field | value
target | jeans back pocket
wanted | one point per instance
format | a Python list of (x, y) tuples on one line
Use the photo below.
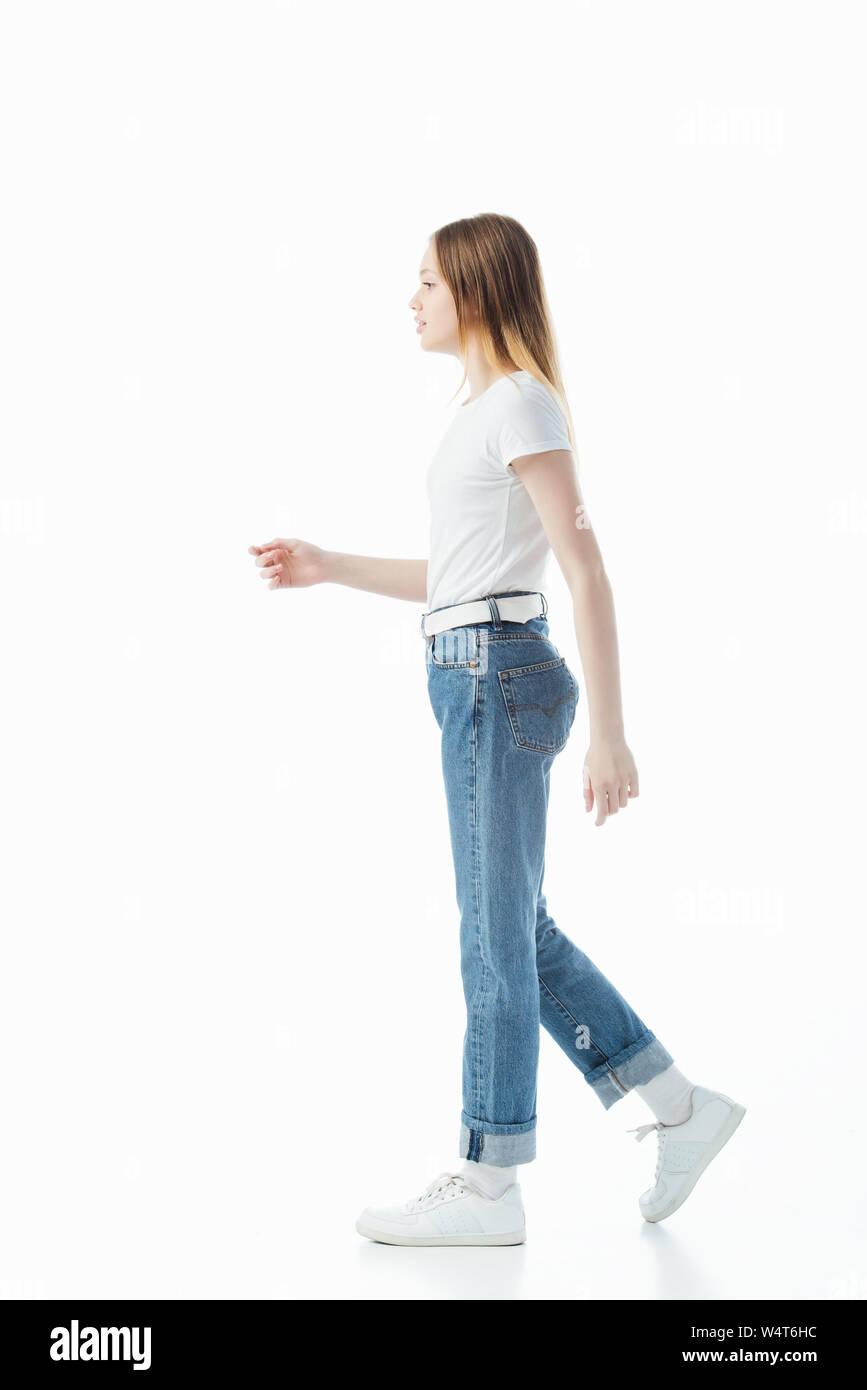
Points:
[(540, 702)]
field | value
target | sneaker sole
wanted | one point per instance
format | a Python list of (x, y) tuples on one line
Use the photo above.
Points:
[(470, 1238), (725, 1134)]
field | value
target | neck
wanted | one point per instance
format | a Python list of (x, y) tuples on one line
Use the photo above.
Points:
[(480, 373)]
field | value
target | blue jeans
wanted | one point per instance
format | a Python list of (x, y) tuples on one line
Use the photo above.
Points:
[(505, 702)]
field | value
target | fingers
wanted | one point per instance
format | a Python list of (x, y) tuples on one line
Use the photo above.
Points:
[(270, 560), (588, 789), (613, 792), (615, 796), (278, 543), (610, 798)]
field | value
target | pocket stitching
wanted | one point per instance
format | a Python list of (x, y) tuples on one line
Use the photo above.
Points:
[(451, 665), (537, 666), (511, 707)]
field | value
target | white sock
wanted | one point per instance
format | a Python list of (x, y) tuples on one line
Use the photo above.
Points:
[(668, 1095), (490, 1180)]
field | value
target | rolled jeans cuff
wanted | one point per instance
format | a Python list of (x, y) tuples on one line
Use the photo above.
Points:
[(510, 1144), (634, 1066)]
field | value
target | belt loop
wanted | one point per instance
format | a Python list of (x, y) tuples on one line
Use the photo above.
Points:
[(495, 612), (544, 606)]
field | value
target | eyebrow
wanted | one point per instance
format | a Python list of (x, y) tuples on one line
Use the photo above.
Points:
[(426, 270)]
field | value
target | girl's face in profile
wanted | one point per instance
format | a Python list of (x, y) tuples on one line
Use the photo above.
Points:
[(434, 306)]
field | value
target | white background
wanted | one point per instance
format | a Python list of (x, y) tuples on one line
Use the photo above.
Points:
[(231, 1005)]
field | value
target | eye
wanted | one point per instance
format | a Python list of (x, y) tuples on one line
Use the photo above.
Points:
[(427, 284)]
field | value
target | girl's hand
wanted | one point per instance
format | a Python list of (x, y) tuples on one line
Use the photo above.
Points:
[(291, 564), (610, 775)]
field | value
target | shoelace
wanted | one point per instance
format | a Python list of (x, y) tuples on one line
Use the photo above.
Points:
[(641, 1132), (441, 1185)]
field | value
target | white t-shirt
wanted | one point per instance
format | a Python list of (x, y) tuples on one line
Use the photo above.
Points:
[(485, 532)]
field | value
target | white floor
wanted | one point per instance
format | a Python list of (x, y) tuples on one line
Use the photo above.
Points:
[(777, 1215)]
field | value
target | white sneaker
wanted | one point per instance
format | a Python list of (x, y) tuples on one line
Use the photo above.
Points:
[(448, 1212), (686, 1149)]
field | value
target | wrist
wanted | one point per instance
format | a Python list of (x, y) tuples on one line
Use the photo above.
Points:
[(607, 732), (331, 566)]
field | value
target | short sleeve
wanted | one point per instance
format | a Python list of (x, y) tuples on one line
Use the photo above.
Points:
[(533, 423)]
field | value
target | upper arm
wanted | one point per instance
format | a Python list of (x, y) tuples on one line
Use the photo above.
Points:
[(534, 444), (551, 479)]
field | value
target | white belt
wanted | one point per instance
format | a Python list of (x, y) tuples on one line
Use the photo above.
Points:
[(512, 608)]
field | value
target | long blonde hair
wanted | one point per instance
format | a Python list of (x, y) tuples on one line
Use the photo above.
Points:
[(491, 266)]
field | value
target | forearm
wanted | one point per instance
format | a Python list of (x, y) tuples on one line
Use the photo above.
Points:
[(406, 579), (596, 631)]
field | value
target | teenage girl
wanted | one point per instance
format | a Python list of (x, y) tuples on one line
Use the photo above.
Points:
[(503, 493)]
